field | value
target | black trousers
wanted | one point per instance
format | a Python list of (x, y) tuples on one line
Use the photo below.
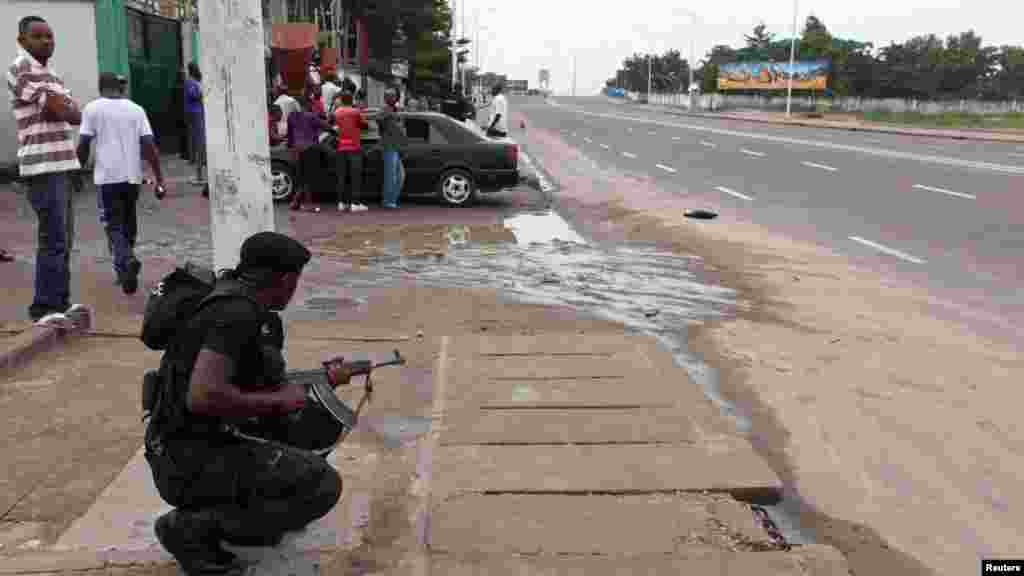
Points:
[(312, 167), (350, 175), (256, 490)]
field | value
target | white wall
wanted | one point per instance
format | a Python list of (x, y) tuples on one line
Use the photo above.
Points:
[(74, 58)]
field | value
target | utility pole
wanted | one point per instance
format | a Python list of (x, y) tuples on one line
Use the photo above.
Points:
[(792, 60), (454, 45), (235, 102), (693, 62), (574, 75), (650, 67)]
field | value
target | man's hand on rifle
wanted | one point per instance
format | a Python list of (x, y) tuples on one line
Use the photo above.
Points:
[(340, 373)]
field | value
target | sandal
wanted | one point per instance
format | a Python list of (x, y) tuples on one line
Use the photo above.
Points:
[(6, 256)]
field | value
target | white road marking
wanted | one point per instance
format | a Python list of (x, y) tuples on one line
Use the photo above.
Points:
[(652, 133), (666, 168), (822, 166), (751, 152), (678, 138), (887, 250), (587, 140), (873, 140), (707, 144), (944, 191), (605, 146), (629, 155), (1017, 154), (725, 190), (573, 134), (942, 160)]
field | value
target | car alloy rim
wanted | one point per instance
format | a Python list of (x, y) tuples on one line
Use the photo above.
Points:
[(456, 188), (281, 184)]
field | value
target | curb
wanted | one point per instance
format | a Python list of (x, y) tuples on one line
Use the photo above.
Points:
[(42, 337), (1001, 137), (49, 562)]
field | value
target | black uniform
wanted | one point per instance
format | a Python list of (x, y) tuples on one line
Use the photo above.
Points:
[(225, 487)]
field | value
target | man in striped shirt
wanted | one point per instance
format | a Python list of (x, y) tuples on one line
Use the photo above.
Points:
[(44, 113)]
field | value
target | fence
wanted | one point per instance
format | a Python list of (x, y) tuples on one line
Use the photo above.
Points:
[(720, 101)]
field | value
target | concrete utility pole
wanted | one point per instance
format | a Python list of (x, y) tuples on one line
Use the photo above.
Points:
[(235, 102), (574, 75)]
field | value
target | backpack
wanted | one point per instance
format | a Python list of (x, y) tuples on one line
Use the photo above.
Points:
[(170, 307)]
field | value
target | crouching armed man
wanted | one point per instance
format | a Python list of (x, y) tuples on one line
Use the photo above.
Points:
[(226, 486)]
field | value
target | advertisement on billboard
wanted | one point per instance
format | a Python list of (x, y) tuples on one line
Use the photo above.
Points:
[(808, 75)]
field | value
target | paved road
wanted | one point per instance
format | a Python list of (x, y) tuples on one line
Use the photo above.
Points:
[(946, 214)]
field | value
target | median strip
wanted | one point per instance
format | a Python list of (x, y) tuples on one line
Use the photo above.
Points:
[(887, 250), (666, 168), (751, 152), (822, 166), (629, 155), (944, 191), (730, 192)]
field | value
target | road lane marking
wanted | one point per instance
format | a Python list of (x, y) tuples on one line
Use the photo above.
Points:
[(678, 138), (880, 152), (573, 134), (873, 140), (822, 166), (629, 155), (944, 191), (588, 140), (725, 190), (1017, 154), (707, 144), (887, 250), (605, 146), (751, 152), (652, 133), (666, 168)]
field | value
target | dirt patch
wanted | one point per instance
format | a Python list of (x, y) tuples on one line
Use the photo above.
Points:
[(364, 243)]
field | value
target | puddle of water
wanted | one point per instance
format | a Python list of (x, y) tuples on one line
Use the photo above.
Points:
[(546, 227)]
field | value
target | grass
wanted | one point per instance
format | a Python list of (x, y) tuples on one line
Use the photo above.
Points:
[(1012, 120)]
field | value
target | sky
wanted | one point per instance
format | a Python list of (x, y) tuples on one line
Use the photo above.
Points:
[(520, 37)]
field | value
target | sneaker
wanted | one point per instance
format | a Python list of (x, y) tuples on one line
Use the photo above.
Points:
[(360, 207), (57, 319), (342, 207), (193, 539)]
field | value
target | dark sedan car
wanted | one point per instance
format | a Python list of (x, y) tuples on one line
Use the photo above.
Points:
[(443, 158)]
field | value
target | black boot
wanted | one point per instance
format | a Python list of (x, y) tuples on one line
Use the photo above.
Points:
[(193, 538)]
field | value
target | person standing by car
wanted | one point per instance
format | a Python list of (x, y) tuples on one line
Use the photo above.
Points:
[(391, 138), (498, 127), (304, 129), (288, 106), (329, 90), (45, 113), (349, 159), (123, 137), (274, 135)]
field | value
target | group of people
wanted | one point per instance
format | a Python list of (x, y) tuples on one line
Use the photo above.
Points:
[(332, 107), (112, 127)]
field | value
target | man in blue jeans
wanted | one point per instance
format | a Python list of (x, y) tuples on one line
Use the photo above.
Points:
[(44, 114), (123, 137)]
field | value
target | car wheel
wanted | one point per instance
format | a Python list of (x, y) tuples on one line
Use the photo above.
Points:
[(456, 188), (282, 181)]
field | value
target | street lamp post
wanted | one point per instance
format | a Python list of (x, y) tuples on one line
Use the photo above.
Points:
[(650, 67), (792, 61)]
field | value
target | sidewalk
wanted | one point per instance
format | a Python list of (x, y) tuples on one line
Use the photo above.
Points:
[(518, 439), (771, 117)]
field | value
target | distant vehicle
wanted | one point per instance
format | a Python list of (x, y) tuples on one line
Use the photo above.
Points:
[(615, 92), (443, 158)]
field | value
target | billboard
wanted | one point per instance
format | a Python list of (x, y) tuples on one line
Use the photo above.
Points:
[(808, 75)]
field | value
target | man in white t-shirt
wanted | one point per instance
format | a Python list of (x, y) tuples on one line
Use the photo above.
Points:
[(288, 106), (498, 127), (123, 136)]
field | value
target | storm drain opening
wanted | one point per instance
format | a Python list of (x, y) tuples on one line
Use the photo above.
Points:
[(700, 214)]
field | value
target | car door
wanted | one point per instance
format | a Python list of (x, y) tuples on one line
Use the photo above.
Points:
[(423, 154)]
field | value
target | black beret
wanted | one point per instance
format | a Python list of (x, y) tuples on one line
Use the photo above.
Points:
[(273, 251)]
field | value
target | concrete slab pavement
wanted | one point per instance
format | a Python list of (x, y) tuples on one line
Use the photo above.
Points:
[(572, 498)]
